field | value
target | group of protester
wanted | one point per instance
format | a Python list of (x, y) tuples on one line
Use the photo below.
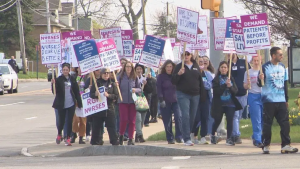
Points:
[(191, 94)]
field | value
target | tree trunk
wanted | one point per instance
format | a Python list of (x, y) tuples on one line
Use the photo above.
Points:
[(135, 30)]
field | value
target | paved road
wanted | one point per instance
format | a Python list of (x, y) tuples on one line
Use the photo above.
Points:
[(26, 117), (276, 161)]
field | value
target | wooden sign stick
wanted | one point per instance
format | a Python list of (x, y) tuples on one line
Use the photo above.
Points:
[(260, 67), (91, 78), (247, 69), (183, 55), (53, 85), (96, 86), (230, 61), (196, 56), (116, 80)]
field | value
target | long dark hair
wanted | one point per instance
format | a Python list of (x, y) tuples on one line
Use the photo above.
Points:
[(132, 73), (210, 66), (163, 67), (218, 73)]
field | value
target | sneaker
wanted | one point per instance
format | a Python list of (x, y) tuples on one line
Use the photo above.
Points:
[(215, 139), (230, 142), (68, 142), (171, 142), (259, 145), (159, 116), (146, 125), (87, 138), (266, 150), (194, 139), (58, 139), (188, 143), (288, 149), (203, 141), (178, 140), (222, 132), (237, 140)]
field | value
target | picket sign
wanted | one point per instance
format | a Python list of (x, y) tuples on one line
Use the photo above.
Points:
[(91, 106), (202, 35), (127, 37), (229, 42), (115, 33), (187, 26), (139, 45)]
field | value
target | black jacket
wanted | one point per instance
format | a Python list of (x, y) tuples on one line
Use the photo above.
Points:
[(111, 89), (59, 100), (190, 82), (218, 90)]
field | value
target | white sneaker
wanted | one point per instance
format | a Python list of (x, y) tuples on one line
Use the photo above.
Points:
[(266, 150), (203, 141), (188, 143), (195, 140), (288, 149), (87, 138)]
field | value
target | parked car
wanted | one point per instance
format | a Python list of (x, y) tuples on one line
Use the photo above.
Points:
[(50, 74), (1, 85), (10, 78)]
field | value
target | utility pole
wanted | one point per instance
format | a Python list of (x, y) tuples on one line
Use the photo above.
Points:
[(76, 15), (21, 34), (144, 18), (48, 16), (167, 21), (216, 56), (266, 51)]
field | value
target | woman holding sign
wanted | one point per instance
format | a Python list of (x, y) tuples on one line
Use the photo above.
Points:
[(224, 101), (189, 86), (254, 101), (107, 116), (66, 99), (129, 84)]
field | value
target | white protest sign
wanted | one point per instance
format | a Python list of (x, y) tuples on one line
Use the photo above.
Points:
[(66, 54), (229, 43), (91, 106), (87, 56), (108, 54), (256, 31), (50, 48), (117, 35), (219, 32), (73, 55), (176, 52), (202, 37), (187, 25), (152, 52), (127, 37), (139, 45)]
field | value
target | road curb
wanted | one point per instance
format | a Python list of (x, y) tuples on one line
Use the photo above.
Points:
[(25, 153)]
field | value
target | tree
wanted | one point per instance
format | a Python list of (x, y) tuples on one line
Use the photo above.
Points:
[(283, 16), (161, 25), (132, 17), (9, 29)]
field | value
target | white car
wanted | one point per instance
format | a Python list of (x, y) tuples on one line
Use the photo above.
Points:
[(10, 78)]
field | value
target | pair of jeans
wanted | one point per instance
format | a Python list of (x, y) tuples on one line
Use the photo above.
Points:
[(280, 112), (201, 118), (139, 122), (238, 115), (229, 112), (166, 113), (127, 117), (66, 117), (57, 122), (188, 105), (255, 110)]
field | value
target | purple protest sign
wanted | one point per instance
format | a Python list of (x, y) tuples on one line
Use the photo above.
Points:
[(127, 37), (256, 31), (73, 36), (139, 45), (238, 39), (87, 35)]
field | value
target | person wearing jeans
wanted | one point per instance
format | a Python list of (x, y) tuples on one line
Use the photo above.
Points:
[(224, 101), (66, 99), (166, 92), (275, 101), (129, 84), (189, 86)]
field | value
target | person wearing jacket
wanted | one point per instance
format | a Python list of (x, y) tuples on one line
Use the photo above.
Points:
[(107, 116), (166, 92), (189, 87), (203, 111), (224, 101), (129, 84), (238, 69), (67, 96), (147, 90), (254, 101)]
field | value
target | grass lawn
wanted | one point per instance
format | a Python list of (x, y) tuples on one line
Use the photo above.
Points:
[(32, 75), (246, 126)]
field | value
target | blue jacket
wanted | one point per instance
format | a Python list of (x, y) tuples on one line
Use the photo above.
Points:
[(207, 82), (126, 85)]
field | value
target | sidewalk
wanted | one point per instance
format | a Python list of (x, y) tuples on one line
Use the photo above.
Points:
[(158, 148)]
